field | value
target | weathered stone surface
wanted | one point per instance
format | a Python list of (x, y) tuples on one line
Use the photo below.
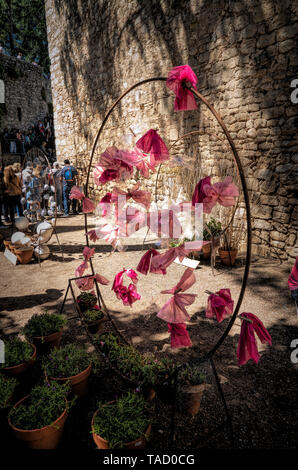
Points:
[(242, 54)]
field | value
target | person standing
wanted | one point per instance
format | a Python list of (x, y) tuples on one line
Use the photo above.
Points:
[(68, 179), (13, 191), (56, 171)]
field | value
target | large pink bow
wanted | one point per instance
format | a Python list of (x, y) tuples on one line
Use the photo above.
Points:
[(247, 346), (152, 143), (174, 310), (178, 77), (146, 162), (220, 305), (145, 263), (223, 192), (88, 205), (162, 261), (139, 196), (114, 165), (199, 193), (179, 335), (87, 283), (110, 233), (87, 254), (129, 294)]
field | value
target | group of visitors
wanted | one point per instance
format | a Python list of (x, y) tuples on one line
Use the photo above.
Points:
[(41, 134), (20, 56), (63, 178)]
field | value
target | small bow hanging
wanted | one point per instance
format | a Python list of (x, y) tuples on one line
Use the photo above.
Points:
[(247, 346), (151, 143), (223, 192), (88, 205), (220, 305), (178, 77), (145, 263), (87, 254), (174, 309), (139, 196), (129, 294), (87, 283)]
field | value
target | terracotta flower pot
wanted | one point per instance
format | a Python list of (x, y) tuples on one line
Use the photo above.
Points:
[(139, 443), (96, 326), (24, 254), (47, 437), (190, 398), (19, 368), (78, 383), (45, 344), (228, 257), (206, 251)]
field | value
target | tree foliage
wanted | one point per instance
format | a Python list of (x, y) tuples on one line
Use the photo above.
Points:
[(23, 28)]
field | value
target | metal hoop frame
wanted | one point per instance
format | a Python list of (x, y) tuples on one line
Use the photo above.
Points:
[(218, 118)]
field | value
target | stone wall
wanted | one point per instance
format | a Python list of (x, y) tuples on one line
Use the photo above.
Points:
[(243, 53), (23, 85)]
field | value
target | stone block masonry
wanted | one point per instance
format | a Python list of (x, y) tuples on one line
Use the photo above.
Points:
[(27, 93), (243, 53)]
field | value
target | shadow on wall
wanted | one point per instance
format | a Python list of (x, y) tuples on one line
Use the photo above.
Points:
[(104, 46)]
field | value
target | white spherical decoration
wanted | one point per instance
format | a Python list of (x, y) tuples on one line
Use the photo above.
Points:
[(53, 189), (51, 199), (42, 251), (45, 230), (50, 213), (21, 223), (46, 196), (17, 237), (46, 187), (43, 212)]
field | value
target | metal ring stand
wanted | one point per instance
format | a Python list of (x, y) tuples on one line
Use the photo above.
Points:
[(209, 355)]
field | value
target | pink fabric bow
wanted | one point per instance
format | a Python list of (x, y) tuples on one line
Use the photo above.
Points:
[(105, 204), (152, 143), (247, 346), (139, 196), (178, 77), (293, 277), (179, 335), (110, 233), (220, 305), (87, 254), (129, 294), (163, 261), (145, 263), (146, 162), (114, 165), (88, 205), (87, 283), (224, 193), (174, 310), (199, 193)]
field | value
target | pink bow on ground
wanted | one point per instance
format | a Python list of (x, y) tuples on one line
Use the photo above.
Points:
[(174, 310), (88, 205), (224, 193), (220, 305), (179, 335), (87, 283), (152, 143), (139, 196), (145, 263), (129, 294), (178, 77), (199, 193), (87, 254), (247, 346)]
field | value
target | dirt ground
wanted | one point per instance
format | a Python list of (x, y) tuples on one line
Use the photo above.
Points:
[(262, 398)]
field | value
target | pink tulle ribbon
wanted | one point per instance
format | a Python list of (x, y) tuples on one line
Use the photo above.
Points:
[(88, 205), (87, 283), (145, 263), (220, 305), (151, 143), (179, 335), (163, 261), (105, 204), (139, 196), (199, 193), (247, 346), (128, 294), (223, 192), (87, 254), (174, 309), (178, 77)]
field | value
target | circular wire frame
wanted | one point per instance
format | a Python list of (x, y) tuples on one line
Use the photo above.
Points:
[(243, 184)]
